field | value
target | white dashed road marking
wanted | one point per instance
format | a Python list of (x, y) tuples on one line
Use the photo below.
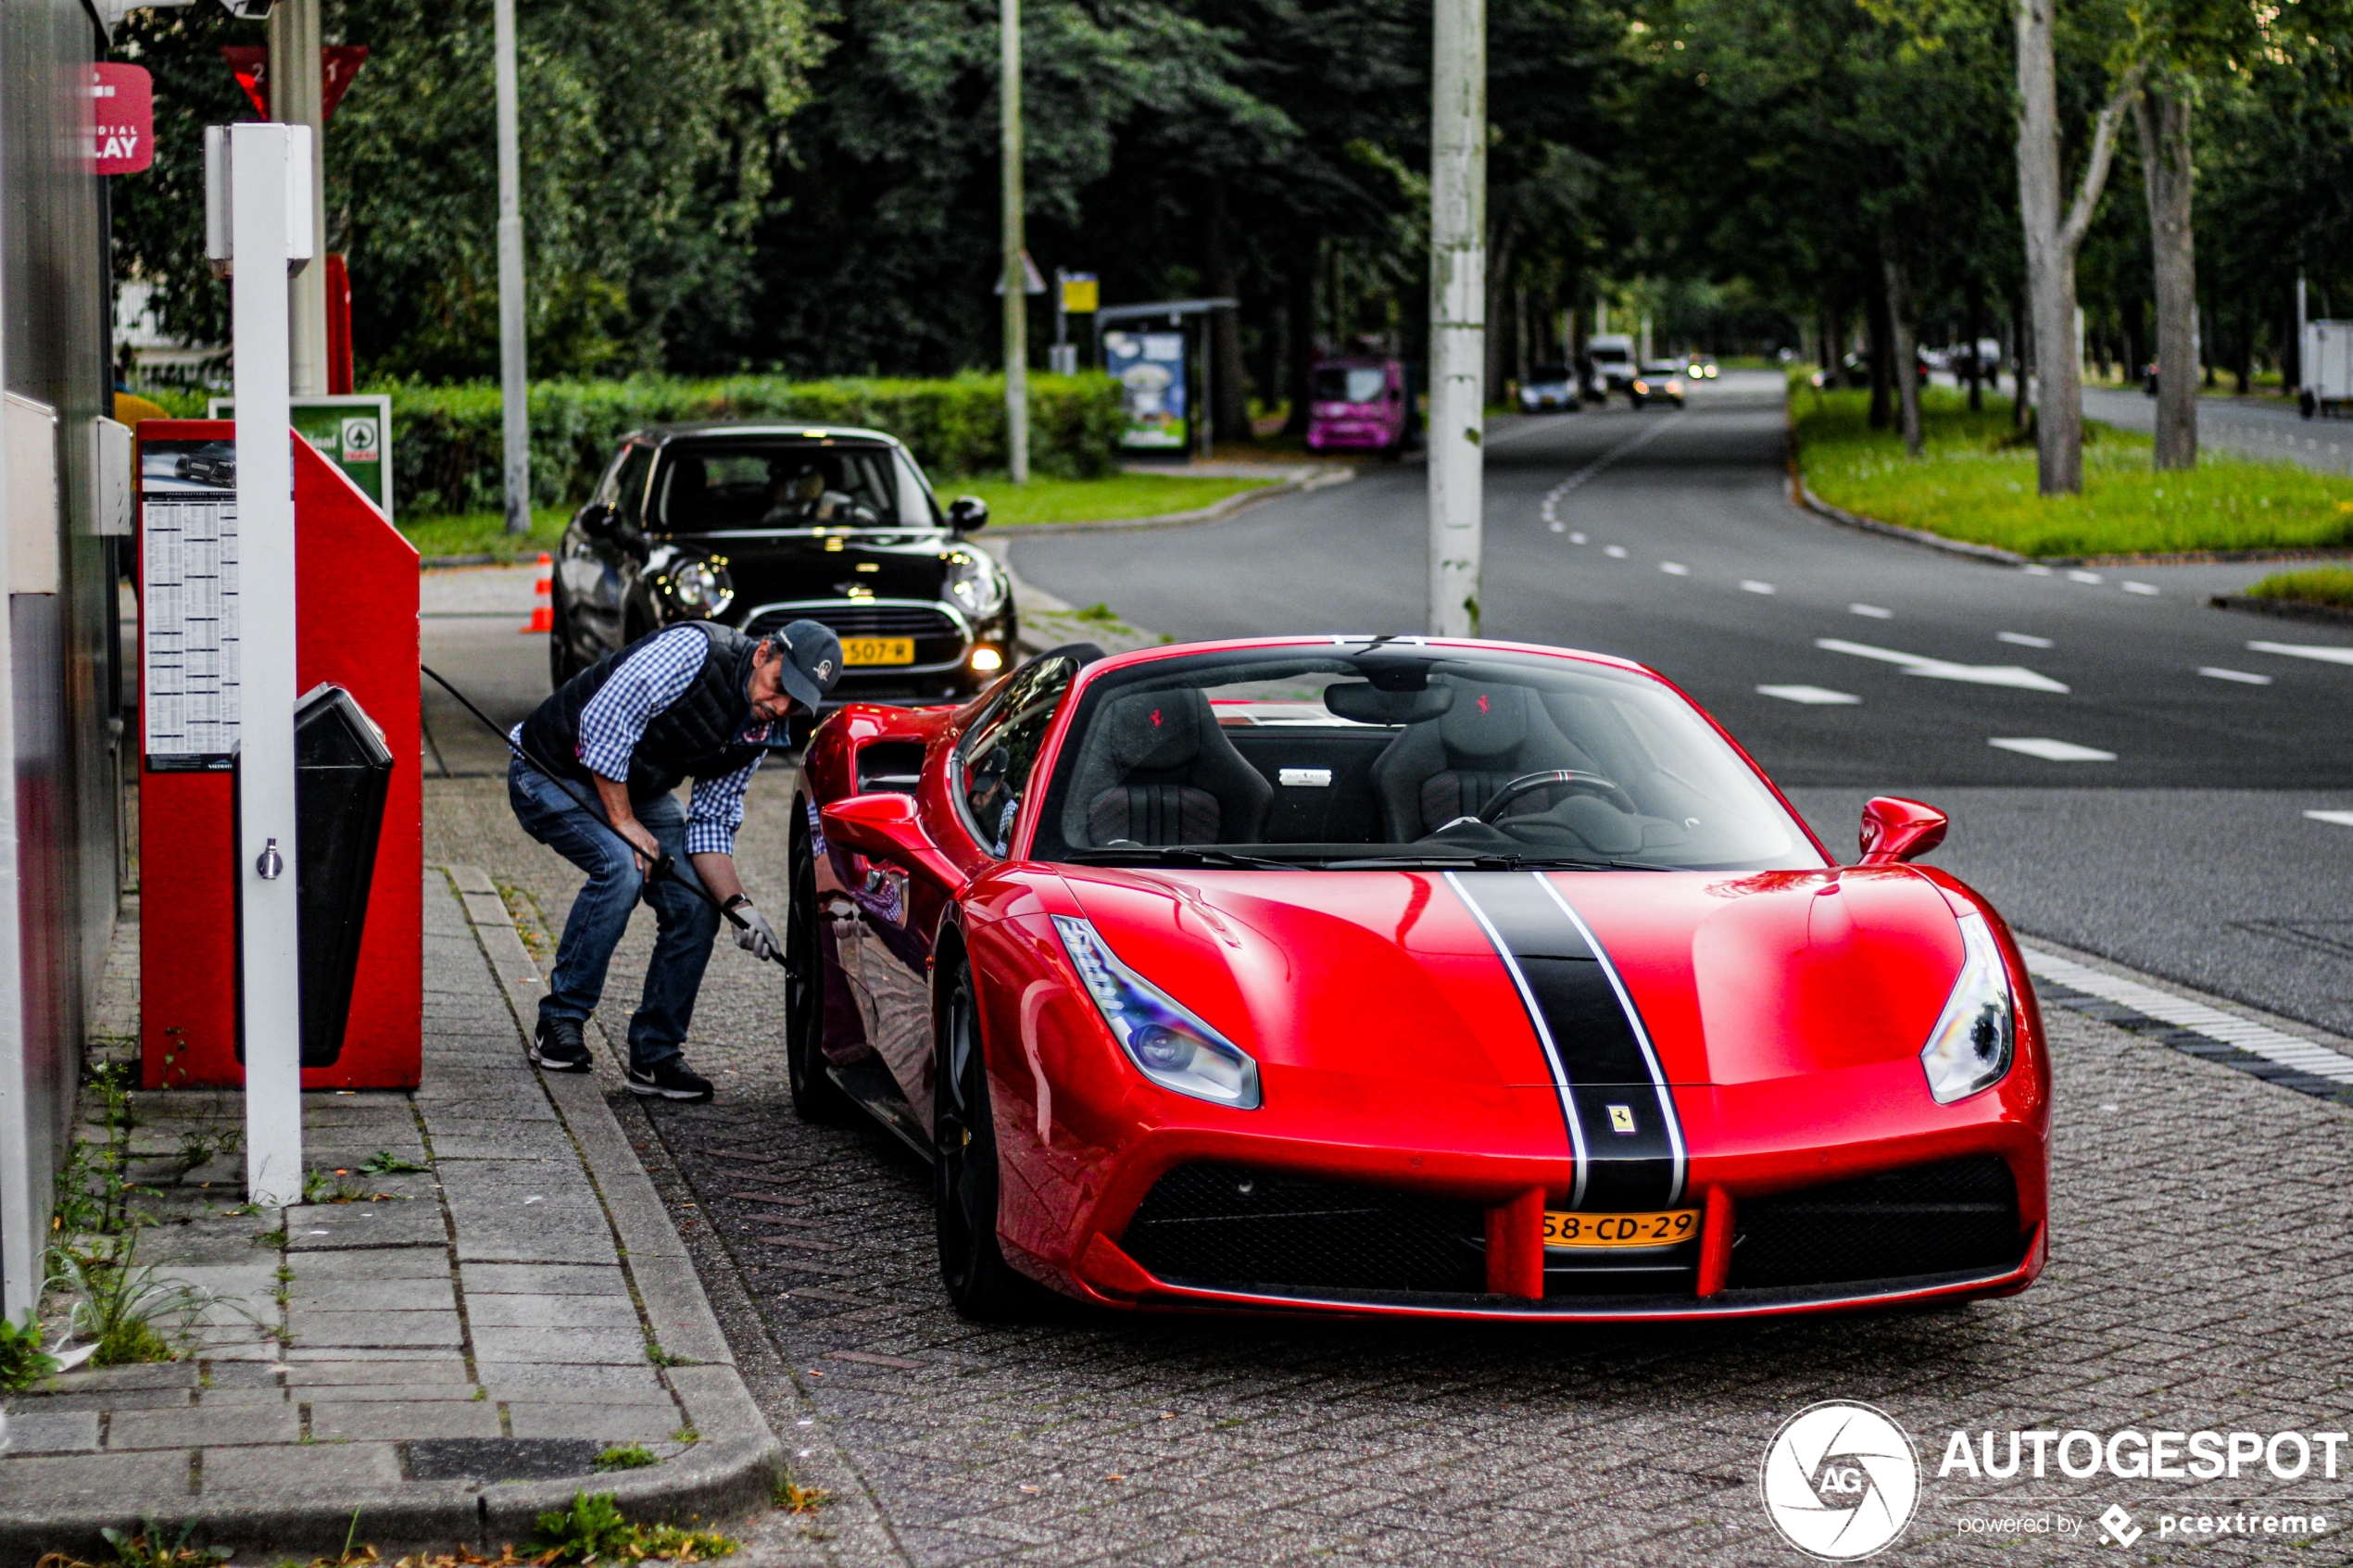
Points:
[(1577, 538), (2321, 651), (2051, 750), (2037, 570), (2083, 577), (1945, 670), (1551, 509), (2022, 639), (2143, 588), (2260, 1039), (1811, 695), (2218, 674), (1674, 569), (1872, 610), (2342, 818), (1615, 552), (1751, 585)]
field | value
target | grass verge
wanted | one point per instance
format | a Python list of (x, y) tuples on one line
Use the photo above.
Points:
[(2331, 585), (1976, 483), (484, 533), (1099, 500)]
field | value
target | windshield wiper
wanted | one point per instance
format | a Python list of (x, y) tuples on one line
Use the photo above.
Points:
[(1179, 855), (1491, 863)]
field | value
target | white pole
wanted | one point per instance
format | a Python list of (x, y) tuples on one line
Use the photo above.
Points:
[(269, 165), (1457, 312), (514, 389), (21, 1227), (1011, 222), (297, 96)]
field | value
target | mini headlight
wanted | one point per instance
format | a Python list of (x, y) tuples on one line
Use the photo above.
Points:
[(1167, 1044), (974, 585), (1974, 1039), (697, 587), (986, 660)]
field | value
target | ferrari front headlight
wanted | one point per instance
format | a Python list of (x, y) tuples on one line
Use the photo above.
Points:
[(1975, 1038), (1166, 1042), (974, 585)]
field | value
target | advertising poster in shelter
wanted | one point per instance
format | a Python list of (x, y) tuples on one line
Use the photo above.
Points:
[(352, 430), (1151, 367)]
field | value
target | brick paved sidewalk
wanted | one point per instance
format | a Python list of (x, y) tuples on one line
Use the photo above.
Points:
[(444, 1346)]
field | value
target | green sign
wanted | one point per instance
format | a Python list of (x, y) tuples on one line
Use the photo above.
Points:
[(353, 431)]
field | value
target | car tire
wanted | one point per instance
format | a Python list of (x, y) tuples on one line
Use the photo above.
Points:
[(560, 665), (816, 1097), (966, 1180)]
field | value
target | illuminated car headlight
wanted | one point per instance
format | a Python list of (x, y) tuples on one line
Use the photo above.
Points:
[(974, 585), (1974, 1039), (1167, 1043), (696, 587)]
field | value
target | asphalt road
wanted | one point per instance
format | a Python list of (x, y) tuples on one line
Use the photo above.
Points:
[(2149, 804), (2259, 429)]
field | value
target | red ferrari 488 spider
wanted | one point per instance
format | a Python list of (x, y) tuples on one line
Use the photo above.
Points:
[(1381, 975)]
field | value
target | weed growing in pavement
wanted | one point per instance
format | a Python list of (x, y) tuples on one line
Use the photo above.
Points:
[(660, 1356), (794, 1498), (625, 1456), (146, 1548), (685, 1435), (22, 1361), (204, 1146), (318, 1187), (383, 1162), (117, 1303), (274, 1240), (594, 1527), (524, 909)]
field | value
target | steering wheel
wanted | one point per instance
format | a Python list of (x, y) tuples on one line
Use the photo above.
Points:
[(1573, 777)]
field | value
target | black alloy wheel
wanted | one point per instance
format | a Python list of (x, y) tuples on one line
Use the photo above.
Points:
[(816, 1097), (981, 1285)]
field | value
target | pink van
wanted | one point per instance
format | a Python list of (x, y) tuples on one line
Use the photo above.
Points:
[(1357, 405)]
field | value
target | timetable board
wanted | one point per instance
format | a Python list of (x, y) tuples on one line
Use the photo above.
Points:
[(188, 604)]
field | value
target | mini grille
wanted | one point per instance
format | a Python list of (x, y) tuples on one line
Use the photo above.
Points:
[(1240, 1226), (1959, 1215), (863, 620)]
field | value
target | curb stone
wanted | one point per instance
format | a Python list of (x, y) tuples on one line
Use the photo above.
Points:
[(2286, 610), (1321, 480)]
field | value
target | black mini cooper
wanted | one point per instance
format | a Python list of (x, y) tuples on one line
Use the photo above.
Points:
[(758, 524)]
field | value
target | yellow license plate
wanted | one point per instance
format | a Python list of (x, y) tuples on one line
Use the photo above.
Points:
[(1664, 1228), (879, 651)]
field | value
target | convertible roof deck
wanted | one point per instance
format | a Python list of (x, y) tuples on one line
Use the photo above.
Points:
[(666, 434)]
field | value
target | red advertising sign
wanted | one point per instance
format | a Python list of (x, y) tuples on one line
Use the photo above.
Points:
[(122, 119), (338, 63)]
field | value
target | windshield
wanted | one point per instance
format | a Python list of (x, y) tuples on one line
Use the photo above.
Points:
[(1350, 384), (1539, 375), (1611, 354), (1377, 754), (707, 487)]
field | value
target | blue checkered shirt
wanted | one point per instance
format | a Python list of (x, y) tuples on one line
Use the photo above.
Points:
[(614, 721)]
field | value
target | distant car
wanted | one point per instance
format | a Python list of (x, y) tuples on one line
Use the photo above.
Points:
[(1611, 356), (1661, 381), (1548, 387), (215, 462), (1701, 368), (1357, 405), (754, 525)]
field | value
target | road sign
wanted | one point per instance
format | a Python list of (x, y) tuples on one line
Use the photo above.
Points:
[(354, 432), (1081, 294)]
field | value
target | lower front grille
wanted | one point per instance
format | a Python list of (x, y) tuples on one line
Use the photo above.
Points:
[(1239, 1226), (1960, 1215)]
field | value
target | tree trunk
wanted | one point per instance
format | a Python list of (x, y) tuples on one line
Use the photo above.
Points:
[(1299, 333), (1875, 315), (2021, 354), (2162, 115), (1974, 314), (1903, 360), (2052, 241), (1229, 391)]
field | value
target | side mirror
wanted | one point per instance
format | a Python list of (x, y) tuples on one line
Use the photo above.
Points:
[(1895, 831), (598, 521), (885, 828), (966, 513)]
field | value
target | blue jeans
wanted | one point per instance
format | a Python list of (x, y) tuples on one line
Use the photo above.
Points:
[(684, 925)]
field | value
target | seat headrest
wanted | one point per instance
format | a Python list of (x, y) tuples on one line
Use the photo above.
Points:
[(1485, 721), (1152, 731)]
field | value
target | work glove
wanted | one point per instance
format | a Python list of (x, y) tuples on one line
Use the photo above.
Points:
[(756, 936)]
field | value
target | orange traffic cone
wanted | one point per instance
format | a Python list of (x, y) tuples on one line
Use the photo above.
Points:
[(543, 596)]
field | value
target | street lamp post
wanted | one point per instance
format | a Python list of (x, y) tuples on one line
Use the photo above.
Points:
[(297, 96), (1014, 273), (1457, 312), (514, 390)]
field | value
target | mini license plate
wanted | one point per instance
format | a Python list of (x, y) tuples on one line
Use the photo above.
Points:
[(1664, 1228), (879, 651)]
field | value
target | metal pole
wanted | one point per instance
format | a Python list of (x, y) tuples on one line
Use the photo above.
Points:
[(1457, 312), (513, 388), (297, 96), (269, 165), (1016, 281), (24, 1185)]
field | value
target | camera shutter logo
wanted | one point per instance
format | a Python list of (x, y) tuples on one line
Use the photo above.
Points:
[(1839, 1481)]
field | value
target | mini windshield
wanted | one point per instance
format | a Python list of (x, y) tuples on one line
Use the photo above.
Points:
[(1350, 384), (1541, 375), (1378, 754), (709, 487)]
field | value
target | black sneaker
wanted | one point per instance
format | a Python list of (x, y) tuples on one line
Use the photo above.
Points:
[(559, 1046), (672, 1080)]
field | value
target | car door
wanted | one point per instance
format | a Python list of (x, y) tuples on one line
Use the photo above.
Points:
[(597, 565)]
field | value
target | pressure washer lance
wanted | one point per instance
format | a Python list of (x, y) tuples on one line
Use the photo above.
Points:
[(664, 865)]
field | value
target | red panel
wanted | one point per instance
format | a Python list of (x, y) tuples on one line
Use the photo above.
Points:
[(356, 625), (338, 325)]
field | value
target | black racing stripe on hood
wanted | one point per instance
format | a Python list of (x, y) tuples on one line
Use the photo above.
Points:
[(1619, 1113)]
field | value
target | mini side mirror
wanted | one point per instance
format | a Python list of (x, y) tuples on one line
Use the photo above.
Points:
[(1895, 831), (966, 513), (600, 520)]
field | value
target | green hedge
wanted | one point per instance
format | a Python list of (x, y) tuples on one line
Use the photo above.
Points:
[(446, 439)]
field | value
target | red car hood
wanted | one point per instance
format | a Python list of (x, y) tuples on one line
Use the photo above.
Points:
[(1737, 978)]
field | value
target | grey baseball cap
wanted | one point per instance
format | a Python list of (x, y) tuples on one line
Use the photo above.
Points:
[(812, 661)]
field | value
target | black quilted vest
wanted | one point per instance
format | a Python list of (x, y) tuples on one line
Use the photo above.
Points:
[(696, 737)]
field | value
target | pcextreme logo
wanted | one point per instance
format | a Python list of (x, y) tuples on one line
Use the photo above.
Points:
[(1839, 1481)]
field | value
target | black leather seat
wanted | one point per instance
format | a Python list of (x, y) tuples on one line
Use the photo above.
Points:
[(1155, 769), (1453, 765)]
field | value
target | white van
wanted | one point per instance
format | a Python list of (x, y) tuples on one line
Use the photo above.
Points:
[(1612, 355)]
